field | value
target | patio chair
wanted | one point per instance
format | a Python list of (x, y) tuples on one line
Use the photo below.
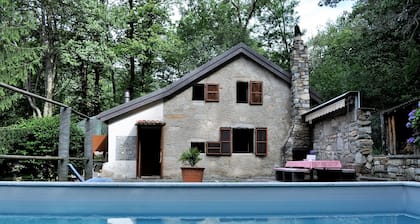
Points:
[(82, 179)]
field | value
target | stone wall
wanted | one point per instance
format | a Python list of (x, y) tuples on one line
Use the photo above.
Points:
[(345, 137), (300, 99), (198, 121), (397, 167)]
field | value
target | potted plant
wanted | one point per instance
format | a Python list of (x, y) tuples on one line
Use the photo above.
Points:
[(191, 173)]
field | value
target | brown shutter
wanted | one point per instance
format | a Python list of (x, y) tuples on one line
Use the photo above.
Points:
[(226, 141), (261, 141), (212, 93), (213, 148), (256, 93)]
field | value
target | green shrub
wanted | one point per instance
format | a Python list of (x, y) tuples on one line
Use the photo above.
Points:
[(35, 137)]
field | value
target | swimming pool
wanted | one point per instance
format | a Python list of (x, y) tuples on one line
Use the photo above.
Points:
[(198, 202)]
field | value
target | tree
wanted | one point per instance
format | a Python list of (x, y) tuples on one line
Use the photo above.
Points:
[(208, 28), (276, 29), (375, 49), (86, 57), (20, 55), (142, 30)]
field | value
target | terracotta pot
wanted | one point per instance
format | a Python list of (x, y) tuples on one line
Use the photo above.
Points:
[(192, 174)]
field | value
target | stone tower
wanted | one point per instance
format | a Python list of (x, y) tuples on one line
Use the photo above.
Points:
[(299, 137)]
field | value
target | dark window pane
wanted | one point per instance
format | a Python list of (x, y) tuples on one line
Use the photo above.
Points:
[(243, 140), (242, 92), (199, 145), (198, 92)]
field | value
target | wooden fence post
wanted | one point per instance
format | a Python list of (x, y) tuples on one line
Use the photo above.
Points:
[(64, 143), (88, 153)]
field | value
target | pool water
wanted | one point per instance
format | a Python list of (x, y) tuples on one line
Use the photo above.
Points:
[(207, 203), (360, 219)]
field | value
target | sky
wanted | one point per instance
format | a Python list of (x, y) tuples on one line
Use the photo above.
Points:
[(314, 17)]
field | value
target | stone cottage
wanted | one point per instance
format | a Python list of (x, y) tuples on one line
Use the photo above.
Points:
[(240, 110)]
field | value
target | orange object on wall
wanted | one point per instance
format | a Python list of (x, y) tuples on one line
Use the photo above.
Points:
[(100, 143)]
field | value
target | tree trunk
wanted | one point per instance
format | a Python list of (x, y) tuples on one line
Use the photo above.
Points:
[(49, 60), (132, 75), (84, 87), (36, 111), (97, 94)]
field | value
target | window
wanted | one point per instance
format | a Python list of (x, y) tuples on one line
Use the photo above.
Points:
[(239, 140), (243, 140), (256, 93), (212, 93), (207, 92), (198, 92), (242, 92), (199, 145), (261, 141)]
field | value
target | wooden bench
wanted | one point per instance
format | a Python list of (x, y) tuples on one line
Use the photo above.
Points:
[(348, 175), (291, 174), (327, 174)]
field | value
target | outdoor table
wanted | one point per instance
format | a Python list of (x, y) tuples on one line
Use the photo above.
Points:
[(313, 164)]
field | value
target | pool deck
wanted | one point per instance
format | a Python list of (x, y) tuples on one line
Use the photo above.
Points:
[(206, 179)]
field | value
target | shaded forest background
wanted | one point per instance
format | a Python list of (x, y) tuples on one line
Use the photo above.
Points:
[(87, 53)]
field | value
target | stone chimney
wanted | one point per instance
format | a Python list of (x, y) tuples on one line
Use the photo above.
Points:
[(299, 137)]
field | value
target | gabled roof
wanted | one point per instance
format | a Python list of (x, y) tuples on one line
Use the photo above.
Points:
[(196, 75)]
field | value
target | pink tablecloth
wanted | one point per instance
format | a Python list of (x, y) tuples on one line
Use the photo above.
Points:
[(315, 164)]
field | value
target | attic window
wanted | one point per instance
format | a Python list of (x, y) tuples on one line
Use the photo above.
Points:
[(251, 92), (242, 92), (198, 92), (207, 92)]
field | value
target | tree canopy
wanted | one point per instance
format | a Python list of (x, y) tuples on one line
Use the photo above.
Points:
[(87, 53), (374, 49)]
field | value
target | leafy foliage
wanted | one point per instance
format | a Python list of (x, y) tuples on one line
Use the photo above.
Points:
[(35, 137), (87, 53), (375, 50), (190, 157), (208, 28)]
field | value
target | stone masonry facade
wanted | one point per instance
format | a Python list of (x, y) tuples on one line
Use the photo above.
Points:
[(346, 138), (299, 137), (397, 167)]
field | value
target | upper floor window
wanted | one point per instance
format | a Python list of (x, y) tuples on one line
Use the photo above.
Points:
[(198, 92), (207, 92), (251, 92), (242, 92)]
